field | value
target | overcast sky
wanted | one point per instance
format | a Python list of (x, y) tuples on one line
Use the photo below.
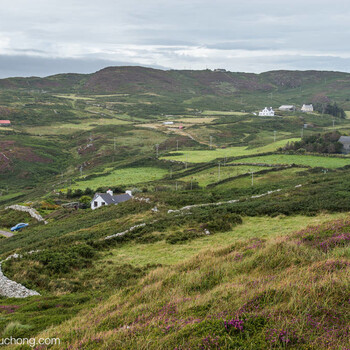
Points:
[(42, 37)]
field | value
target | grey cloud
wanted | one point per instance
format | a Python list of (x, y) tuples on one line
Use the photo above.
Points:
[(167, 33), (20, 65)]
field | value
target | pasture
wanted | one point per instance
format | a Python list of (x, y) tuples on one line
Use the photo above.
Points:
[(209, 113), (69, 128), (211, 175), (121, 177), (252, 227), (307, 160), (201, 156), (280, 177)]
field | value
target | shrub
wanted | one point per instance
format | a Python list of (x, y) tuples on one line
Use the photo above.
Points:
[(85, 200), (15, 330), (179, 237)]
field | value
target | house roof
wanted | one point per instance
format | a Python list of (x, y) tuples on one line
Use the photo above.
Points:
[(286, 106), (344, 139), (119, 198), (5, 122)]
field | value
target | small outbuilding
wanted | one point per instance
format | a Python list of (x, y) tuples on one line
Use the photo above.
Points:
[(5, 123), (287, 108)]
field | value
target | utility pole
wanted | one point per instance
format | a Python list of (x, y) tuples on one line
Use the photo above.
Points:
[(302, 132), (252, 177), (157, 149), (274, 136), (211, 141), (81, 171)]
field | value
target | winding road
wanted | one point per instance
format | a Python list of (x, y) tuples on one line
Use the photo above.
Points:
[(6, 233)]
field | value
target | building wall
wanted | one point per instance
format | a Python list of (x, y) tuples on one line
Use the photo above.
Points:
[(99, 201)]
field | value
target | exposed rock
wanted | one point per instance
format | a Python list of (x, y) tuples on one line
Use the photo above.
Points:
[(12, 289), (142, 199), (31, 211), (125, 232)]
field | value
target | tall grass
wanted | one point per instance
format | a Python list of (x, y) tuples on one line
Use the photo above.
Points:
[(255, 294)]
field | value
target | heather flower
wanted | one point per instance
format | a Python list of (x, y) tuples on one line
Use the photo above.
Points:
[(234, 324)]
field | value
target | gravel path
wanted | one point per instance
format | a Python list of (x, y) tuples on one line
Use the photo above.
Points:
[(6, 233)]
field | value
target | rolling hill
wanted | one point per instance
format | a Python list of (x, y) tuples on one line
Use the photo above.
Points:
[(135, 79)]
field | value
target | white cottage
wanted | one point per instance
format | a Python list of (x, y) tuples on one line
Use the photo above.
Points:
[(267, 112), (307, 108), (101, 199)]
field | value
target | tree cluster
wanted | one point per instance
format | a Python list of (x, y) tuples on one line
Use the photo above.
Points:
[(332, 109), (326, 143)]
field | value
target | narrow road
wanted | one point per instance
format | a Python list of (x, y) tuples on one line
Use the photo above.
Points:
[(6, 234)]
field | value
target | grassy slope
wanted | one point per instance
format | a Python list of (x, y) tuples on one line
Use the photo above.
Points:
[(216, 282), (280, 290)]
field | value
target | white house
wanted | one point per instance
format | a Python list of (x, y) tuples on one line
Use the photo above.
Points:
[(267, 112), (101, 199), (307, 108), (287, 108)]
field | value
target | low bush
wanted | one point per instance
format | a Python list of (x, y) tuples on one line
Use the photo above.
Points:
[(179, 237)]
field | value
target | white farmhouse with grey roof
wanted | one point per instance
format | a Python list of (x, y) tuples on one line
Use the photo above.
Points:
[(345, 141), (101, 199)]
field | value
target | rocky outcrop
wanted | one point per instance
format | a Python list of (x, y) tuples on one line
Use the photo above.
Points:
[(12, 289), (31, 211)]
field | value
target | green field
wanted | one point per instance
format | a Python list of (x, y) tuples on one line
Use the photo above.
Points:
[(211, 175), (222, 113), (253, 227), (307, 160), (69, 128), (122, 177), (267, 179), (209, 155)]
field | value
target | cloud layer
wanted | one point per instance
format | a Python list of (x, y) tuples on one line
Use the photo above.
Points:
[(41, 37)]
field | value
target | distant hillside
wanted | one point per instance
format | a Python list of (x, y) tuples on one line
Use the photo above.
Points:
[(141, 80)]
